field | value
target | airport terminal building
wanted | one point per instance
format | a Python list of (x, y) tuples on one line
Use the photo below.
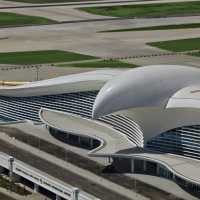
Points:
[(147, 119)]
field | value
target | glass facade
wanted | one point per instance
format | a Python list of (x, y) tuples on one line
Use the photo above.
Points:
[(79, 103), (183, 141)]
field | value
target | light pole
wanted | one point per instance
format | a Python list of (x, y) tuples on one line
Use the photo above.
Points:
[(10, 165), (11, 161), (37, 67)]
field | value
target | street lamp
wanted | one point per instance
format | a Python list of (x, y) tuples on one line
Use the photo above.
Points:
[(10, 162)]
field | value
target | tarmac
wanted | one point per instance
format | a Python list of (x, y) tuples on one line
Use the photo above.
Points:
[(84, 37)]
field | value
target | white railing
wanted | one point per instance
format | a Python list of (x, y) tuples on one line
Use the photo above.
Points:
[(23, 170)]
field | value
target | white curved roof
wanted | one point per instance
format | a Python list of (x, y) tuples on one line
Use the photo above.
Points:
[(188, 97), (71, 83), (156, 120), (149, 86)]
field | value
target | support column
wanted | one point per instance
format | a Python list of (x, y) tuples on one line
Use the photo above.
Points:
[(158, 170), (36, 188), (132, 166), (91, 143), (174, 178), (144, 166), (109, 160), (186, 184), (79, 140), (67, 137), (75, 194), (2, 170), (58, 197), (16, 178)]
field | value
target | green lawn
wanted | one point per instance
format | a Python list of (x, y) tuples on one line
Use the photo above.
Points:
[(154, 28), (178, 45), (101, 64), (12, 19), (147, 10), (40, 57)]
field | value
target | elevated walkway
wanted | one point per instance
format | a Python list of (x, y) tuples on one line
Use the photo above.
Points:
[(111, 140)]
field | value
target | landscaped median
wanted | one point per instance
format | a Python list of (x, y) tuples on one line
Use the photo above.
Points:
[(47, 1), (148, 10), (182, 45), (60, 58), (41, 57), (100, 64), (12, 20)]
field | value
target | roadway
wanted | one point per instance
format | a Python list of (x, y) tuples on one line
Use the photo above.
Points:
[(67, 172), (161, 183)]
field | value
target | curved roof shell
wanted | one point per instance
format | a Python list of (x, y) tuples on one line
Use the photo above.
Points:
[(150, 86), (66, 84), (188, 97), (156, 120)]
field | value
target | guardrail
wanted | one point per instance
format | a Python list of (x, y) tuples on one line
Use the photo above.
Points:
[(60, 190)]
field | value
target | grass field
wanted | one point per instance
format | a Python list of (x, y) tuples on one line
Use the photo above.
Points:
[(147, 10), (154, 28), (101, 64), (12, 19), (41, 57), (178, 45)]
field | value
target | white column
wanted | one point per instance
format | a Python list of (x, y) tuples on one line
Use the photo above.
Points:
[(36, 188), (57, 197), (132, 166), (2, 170), (157, 169), (174, 177), (79, 140), (67, 136), (91, 142), (109, 160), (75, 194), (145, 166)]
